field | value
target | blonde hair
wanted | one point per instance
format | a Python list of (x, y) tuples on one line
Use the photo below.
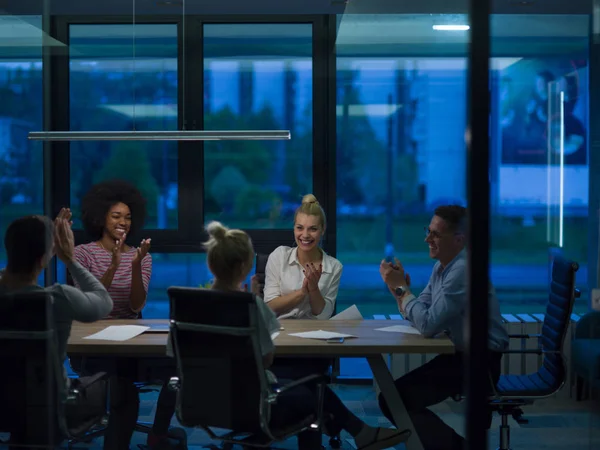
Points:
[(229, 252), (311, 207)]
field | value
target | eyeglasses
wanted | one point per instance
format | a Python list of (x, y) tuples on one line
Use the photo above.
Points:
[(436, 234)]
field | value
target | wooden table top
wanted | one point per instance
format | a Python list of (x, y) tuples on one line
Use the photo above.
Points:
[(368, 341)]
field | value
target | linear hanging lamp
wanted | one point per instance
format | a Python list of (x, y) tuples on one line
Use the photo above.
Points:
[(185, 135)]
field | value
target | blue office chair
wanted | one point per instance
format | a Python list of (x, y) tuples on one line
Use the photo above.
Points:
[(515, 391)]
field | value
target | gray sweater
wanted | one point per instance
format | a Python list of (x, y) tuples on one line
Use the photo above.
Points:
[(89, 303)]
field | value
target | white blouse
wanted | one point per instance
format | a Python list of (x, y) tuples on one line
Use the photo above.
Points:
[(284, 274)]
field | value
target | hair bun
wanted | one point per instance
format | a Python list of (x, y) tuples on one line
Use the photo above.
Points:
[(217, 230), (309, 198)]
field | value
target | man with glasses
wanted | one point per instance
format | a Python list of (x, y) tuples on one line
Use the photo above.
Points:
[(441, 307)]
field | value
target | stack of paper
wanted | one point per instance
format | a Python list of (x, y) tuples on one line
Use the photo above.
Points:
[(320, 334), (118, 333), (400, 329), (351, 313)]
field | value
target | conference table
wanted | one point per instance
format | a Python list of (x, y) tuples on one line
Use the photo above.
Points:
[(369, 343)]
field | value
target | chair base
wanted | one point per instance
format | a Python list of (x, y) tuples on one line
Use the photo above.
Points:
[(504, 431), (181, 438), (335, 442)]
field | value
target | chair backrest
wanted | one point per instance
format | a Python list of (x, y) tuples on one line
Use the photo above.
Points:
[(32, 386), (261, 268), (557, 319), (219, 363)]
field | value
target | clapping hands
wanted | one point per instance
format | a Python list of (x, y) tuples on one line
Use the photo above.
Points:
[(64, 241), (393, 274), (312, 275), (142, 251)]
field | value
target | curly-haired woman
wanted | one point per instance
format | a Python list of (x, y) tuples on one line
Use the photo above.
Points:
[(111, 211)]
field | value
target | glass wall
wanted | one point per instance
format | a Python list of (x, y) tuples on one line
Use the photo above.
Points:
[(21, 162), (257, 77), (401, 151), (124, 78), (401, 116), (400, 120)]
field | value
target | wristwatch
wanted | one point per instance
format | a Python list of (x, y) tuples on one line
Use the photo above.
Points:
[(400, 291)]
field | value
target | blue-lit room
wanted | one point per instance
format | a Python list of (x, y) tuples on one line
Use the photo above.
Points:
[(350, 224)]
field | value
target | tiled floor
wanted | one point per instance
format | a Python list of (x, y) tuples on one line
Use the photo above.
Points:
[(554, 424)]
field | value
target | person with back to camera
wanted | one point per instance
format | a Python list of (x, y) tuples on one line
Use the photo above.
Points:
[(30, 245), (230, 258), (302, 282), (111, 211)]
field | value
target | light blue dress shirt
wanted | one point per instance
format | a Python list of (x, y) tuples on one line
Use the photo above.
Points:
[(442, 306)]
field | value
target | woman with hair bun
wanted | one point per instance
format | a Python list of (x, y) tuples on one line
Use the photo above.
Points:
[(302, 282), (230, 257)]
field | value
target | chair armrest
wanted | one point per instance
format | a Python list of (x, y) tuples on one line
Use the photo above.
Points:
[(174, 384), (524, 336), (319, 379)]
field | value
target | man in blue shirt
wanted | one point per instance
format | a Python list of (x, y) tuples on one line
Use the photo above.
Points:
[(441, 307)]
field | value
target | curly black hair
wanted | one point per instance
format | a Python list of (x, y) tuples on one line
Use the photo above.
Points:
[(102, 196)]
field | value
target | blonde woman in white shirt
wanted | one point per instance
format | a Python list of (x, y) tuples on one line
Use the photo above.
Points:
[(302, 282)]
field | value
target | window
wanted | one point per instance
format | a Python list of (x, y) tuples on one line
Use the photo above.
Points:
[(173, 269), (21, 164), (535, 215), (257, 77), (401, 108), (408, 113), (124, 78)]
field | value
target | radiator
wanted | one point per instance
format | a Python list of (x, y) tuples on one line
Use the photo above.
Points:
[(515, 364)]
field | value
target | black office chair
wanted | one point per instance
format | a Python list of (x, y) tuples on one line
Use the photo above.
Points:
[(34, 393), (515, 391), (335, 440), (260, 269), (143, 387), (221, 381)]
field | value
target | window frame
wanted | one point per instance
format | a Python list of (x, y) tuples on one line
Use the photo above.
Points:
[(190, 235)]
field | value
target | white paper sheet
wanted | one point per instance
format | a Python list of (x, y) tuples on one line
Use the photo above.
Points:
[(118, 333), (351, 313), (400, 329), (274, 335), (320, 334)]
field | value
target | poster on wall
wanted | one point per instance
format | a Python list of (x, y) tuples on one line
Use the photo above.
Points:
[(525, 115), (529, 111)]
